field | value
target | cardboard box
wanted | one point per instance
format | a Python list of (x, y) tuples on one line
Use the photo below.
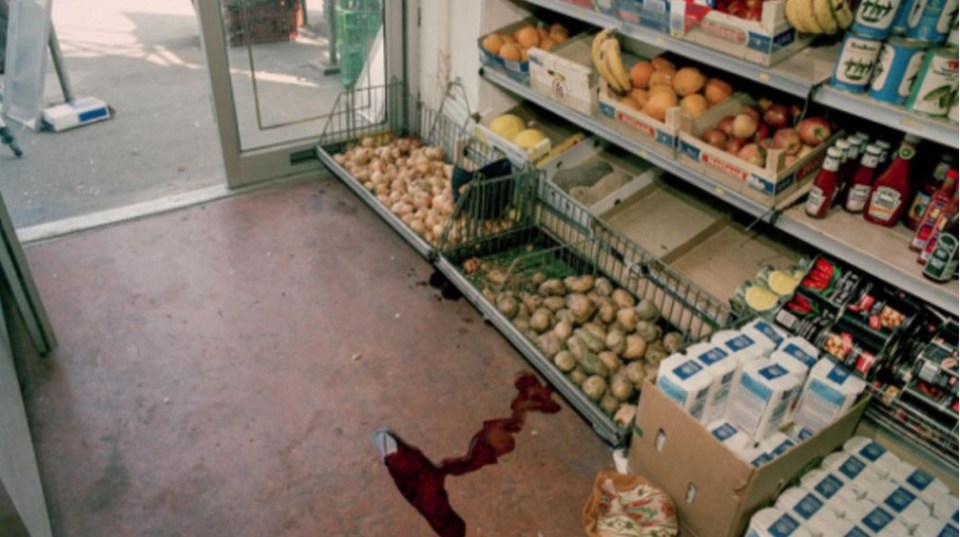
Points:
[(565, 74), (519, 71), (652, 14), (764, 42), (660, 136), (560, 136), (715, 491), (607, 7), (770, 185)]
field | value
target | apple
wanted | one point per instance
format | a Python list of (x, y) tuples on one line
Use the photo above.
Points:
[(754, 154), (744, 126), (814, 131), (763, 132), (737, 8), (733, 145), (726, 125), (787, 139), (777, 116), (751, 111), (715, 137), (753, 3), (754, 13)]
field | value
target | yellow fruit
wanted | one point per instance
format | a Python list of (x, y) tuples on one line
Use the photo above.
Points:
[(688, 81), (492, 43), (660, 89), (511, 52), (717, 91), (695, 104), (661, 78), (507, 126), (658, 103), (782, 283), (640, 96), (529, 138), (640, 74), (760, 299)]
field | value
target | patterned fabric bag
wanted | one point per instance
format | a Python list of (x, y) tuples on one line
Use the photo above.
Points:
[(628, 506)]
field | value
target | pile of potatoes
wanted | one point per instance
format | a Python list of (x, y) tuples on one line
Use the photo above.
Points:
[(597, 334), (408, 177)]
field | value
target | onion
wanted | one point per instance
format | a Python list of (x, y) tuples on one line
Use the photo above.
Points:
[(417, 226), (377, 177)]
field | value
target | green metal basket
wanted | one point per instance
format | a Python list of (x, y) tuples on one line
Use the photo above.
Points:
[(358, 22)]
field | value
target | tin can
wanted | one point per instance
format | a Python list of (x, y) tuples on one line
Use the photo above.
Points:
[(936, 82), (899, 26), (929, 20), (896, 70), (854, 66), (874, 18)]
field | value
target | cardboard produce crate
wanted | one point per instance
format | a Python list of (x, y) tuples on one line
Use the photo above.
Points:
[(660, 136), (560, 136), (565, 74), (764, 42), (770, 185), (518, 70), (715, 491)]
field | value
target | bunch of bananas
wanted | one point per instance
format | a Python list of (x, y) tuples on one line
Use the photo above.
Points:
[(819, 16), (609, 62)]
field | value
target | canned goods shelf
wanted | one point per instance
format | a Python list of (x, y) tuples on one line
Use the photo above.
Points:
[(880, 251), (803, 74)]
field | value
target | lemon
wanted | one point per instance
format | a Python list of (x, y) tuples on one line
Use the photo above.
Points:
[(507, 126), (782, 283), (760, 299), (528, 139)]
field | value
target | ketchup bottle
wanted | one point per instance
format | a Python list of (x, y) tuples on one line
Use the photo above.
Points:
[(825, 185), (891, 191), (862, 182), (842, 174), (848, 168)]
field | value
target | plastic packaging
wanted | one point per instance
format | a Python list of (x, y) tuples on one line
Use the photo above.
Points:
[(761, 398), (918, 481), (772, 522), (871, 452), (831, 488)]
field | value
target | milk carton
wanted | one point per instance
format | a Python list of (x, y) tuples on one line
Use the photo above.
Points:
[(740, 346), (728, 435), (777, 444), (767, 336), (772, 522), (805, 506), (932, 527), (918, 481), (875, 519), (797, 355), (829, 392), (723, 368), (831, 488), (901, 502), (760, 401), (880, 460), (799, 433), (687, 382), (753, 455), (849, 466)]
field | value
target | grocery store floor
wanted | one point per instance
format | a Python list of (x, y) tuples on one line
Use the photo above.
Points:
[(221, 368)]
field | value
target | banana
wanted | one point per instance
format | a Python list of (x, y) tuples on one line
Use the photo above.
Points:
[(597, 57), (611, 55), (824, 15), (808, 18), (843, 14), (793, 18)]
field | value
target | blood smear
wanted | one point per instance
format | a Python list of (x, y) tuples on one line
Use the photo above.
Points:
[(421, 481)]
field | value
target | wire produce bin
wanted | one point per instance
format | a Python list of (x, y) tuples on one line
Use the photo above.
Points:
[(528, 230), (378, 115)]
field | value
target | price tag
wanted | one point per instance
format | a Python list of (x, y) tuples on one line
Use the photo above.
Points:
[(643, 154), (719, 191), (764, 77)]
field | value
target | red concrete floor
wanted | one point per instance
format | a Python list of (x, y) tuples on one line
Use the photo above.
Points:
[(221, 368)]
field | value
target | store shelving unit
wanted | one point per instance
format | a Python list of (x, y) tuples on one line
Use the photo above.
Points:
[(880, 251), (802, 75)]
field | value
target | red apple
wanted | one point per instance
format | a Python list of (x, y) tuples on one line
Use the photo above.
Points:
[(788, 140), (744, 126), (726, 125), (753, 3), (751, 111), (763, 132), (737, 8), (796, 111), (754, 13), (777, 116), (754, 154), (715, 137), (733, 145), (814, 131)]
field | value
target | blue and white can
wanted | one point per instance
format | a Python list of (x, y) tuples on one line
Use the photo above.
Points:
[(899, 26), (854, 66), (896, 70), (874, 18), (929, 20)]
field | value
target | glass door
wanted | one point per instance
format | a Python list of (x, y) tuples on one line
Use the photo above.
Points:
[(277, 67)]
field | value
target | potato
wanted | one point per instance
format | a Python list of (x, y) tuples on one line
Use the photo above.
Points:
[(623, 298), (507, 305), (596, 331), (609, 404), (563, 329), (581, 284), (577, 347), (522, 323), (606, 311), (649, 331), (554, 303), (611, 360), (593, 365), (532, 302), (636, 347), (592, 342), (552, 287), (577, 376), (635, 372), (625, 415), (538, 278), (541, 320), (565, 315), (655, 354), (581, 307), (594, 387), (565, 361), (648, 310), (628, 319), (603, 287), (522, 310), (616, 341), (672, 341), (549, 344), (621, 387)]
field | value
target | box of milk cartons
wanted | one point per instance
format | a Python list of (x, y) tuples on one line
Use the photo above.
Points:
[(898, 500), (773, 522), (687, 382), (762, 397), (829, 392), (920, 482), (831, 488), (723, 368), (880, 460)]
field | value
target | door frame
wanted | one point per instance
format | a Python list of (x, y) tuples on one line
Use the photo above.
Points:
[(245, 166)]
